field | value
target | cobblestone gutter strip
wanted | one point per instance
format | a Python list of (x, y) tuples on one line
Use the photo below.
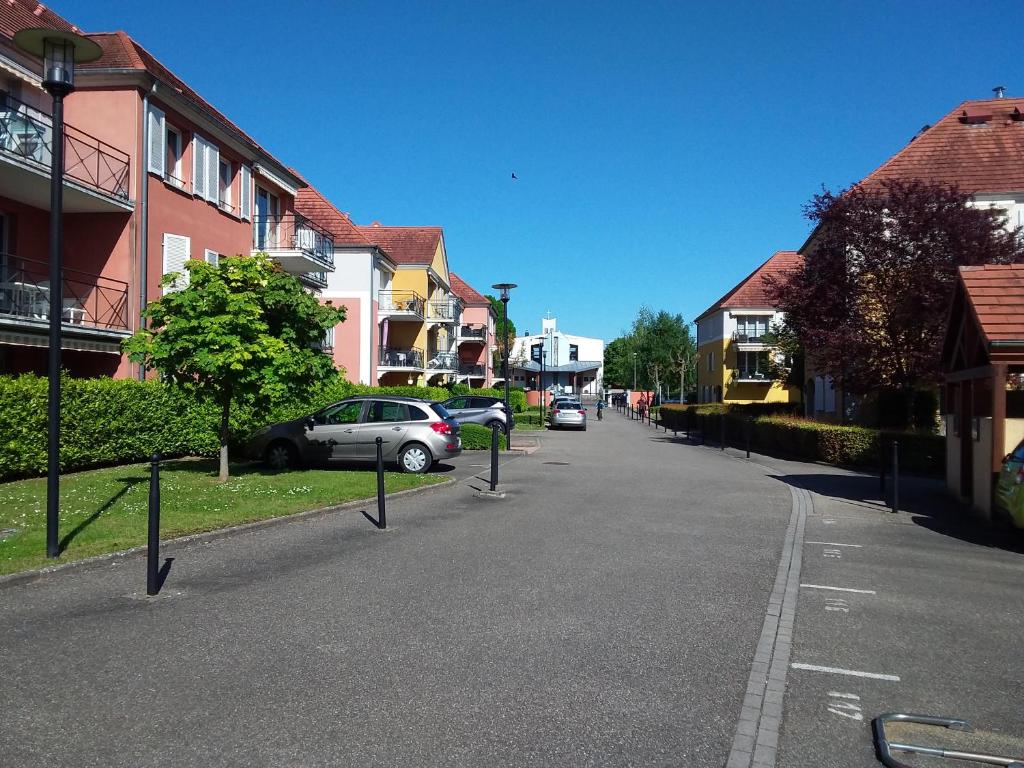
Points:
[(756, 742), (13, 579)]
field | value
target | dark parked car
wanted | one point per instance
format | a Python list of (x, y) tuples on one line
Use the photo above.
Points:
[(473, 409), (416, 434)]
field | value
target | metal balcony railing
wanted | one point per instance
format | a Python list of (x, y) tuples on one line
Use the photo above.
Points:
[(315, 279), (473, 370), (443, 361), (762, 337), (401, 301), (750, 374), (395, 357), (473, 332), (445, 310), (27, 133), (86, 299), (293, 232)]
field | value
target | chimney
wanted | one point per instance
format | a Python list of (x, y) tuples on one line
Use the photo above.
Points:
[(999, 90)]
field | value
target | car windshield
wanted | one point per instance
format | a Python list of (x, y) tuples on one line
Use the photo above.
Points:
[(440, 410)]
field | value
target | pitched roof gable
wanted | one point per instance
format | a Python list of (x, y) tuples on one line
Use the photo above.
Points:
[(405, 245), (979, 147), (313, 205), (469, 295), (752, 291), (995, 293)]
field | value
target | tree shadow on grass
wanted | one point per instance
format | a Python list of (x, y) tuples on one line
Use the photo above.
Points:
[(128, 484)]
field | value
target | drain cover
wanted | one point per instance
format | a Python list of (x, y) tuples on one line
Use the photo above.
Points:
[(557, 463)]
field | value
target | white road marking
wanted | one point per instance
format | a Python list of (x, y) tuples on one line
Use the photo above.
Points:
[(836, 604), (849, 672), (840, 695), (840, 589), (828, 522), (834, 544), (835, 553)]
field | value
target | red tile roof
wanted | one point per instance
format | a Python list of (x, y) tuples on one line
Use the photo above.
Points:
[(313, 205), (752, 291), (16, 15), (120, 51), (469, 295), (405, 245), (996, 295), (966, 148)]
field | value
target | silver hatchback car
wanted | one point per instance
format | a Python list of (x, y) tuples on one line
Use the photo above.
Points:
[(416, 435), (568, 413)]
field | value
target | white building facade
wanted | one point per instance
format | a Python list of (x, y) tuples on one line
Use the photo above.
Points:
[(571, 363)]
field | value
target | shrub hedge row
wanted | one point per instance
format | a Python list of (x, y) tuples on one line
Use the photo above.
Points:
[(476, 437), (107, 421), (791, 436)]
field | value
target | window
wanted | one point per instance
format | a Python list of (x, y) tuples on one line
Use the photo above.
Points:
[(574, 352), (385, 411), (751, 327), (752, 365), (227, 175), (173, 173), (343, 413), (177, 250), (458, 403), (417, 414), (205, 170), (212, 257), (267, 215)]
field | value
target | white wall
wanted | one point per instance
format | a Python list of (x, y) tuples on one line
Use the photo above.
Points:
[(354, 278)]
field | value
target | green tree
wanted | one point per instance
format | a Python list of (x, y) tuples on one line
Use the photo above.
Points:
[(618, 363), (503, 336), (241, 330), (663, 345)]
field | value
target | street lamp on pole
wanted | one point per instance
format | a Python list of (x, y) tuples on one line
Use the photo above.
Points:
[(60, 51), (505, 288), (634, 371)]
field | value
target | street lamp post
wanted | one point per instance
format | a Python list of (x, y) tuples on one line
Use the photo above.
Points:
[(60, 52), (505, 288), (634, 371)]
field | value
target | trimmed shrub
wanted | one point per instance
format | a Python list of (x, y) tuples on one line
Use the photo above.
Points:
[(476, 437)]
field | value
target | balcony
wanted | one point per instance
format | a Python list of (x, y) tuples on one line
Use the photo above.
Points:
[(750, 376), (399, 359), (314, 279), (753, 342), (472, 333), (472, 370), (443, 310), (295, 242), (401, 305), (95, 174), (447, 362), (93, 306)]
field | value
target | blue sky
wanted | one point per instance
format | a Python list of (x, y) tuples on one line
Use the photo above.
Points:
[(663, 149)]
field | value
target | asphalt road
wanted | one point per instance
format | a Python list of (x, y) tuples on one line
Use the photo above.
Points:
[(610, 610)]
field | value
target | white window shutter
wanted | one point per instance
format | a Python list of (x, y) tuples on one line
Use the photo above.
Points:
[(198, 166), (245, 192), (177, 250), (157, 142), (212, 174), (212, 257)]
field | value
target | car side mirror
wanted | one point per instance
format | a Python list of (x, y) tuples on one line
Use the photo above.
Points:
[(310, 423)]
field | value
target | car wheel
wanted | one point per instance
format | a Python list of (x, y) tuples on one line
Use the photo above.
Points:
[(501, 427), (415, 459), (282, 455)]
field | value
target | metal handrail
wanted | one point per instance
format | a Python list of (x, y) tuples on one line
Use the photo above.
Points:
[(745, 374), (27, 132), (444, 361), (293, 232), (86, 299), (471, 369), (443, 309), (473, 331), (401, 301), (886, 747), (398, 357)]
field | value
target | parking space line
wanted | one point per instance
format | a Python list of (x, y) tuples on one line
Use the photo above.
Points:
[(834, 544), (848, 672), (839, 589)]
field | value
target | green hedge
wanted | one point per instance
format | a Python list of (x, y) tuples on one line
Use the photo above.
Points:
[(476, 437), (107, 421), (791, 436)]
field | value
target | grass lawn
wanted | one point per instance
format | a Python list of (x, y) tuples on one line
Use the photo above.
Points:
[(529, 420), (105, 510)]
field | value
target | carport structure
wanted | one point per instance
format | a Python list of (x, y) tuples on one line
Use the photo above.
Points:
[(983, 361)]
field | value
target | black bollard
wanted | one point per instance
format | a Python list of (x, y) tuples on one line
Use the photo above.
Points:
[(721, 433), (748, 427), (153, 543), (881, 469), (703, 422), (382, 515), (895, 477), (494, 456)]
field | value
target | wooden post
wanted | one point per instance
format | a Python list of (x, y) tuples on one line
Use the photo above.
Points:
[(998, 416)]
